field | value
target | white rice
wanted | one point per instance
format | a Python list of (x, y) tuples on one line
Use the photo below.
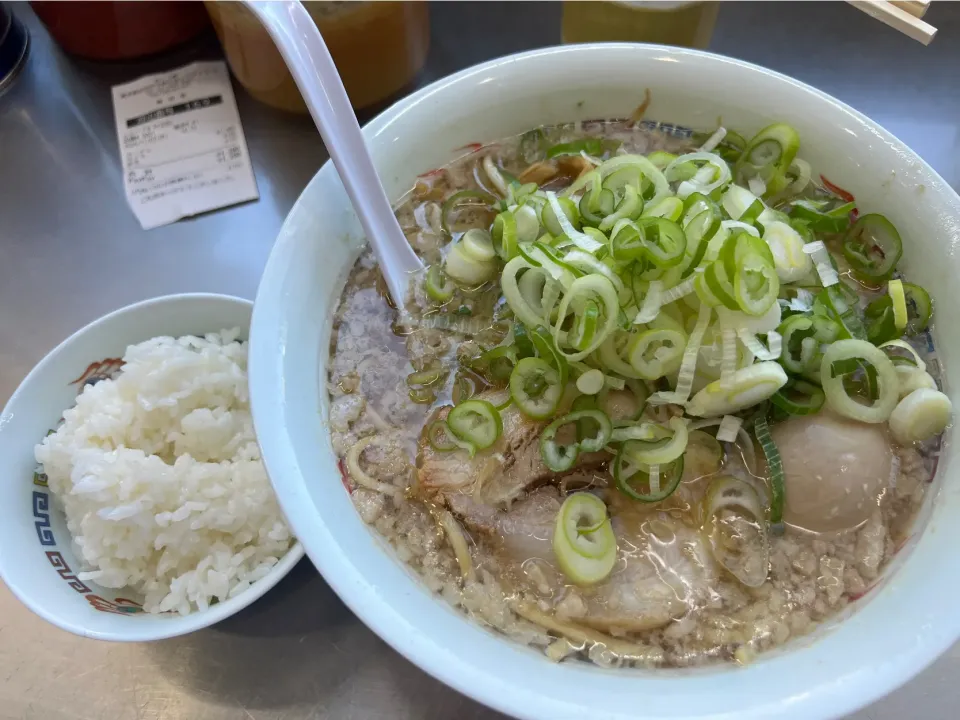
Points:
[(159, 474)]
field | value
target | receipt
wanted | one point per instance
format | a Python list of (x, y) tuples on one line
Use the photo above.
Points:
[(181, 144)]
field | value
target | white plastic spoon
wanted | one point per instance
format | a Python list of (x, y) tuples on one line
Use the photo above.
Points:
[(306, 54)]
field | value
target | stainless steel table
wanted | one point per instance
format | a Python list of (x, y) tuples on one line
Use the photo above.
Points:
[(71, 250)]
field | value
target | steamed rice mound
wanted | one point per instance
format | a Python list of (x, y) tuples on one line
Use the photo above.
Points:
[(159, 474)]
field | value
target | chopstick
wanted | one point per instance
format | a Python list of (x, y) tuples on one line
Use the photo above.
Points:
[(917, 8), (898, 19)]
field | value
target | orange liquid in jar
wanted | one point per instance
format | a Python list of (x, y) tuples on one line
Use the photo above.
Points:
[(378, 48)]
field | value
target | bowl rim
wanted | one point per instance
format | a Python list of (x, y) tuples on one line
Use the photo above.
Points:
[(162, 626), (362, 595)]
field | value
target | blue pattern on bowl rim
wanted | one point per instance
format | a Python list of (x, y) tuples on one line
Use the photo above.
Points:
[(107, 368)]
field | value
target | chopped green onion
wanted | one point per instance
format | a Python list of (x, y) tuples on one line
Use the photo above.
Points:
[(656, 353), (921, 415), (670, 208), (464, 198), (478, 245), (498, 363), (920, 308), (664, 242), (610, 353), (591, 146), (798, 174), (521, 308), (646, 170), (711, 142), (589, 287), (504, 235), (583, 539), (795, 330), (819, 219), (533, 145), (587, 263), (698, 172), (913, 378), (822, 260), (729, 532), (465, 385), (768, 156), (901, 353), (873, 247), (594, 207), (422, 396), (744, 388), (546, 349), (741, 204), (729, 427), (535, 388), (585, 327), (880, 320), (661, 481), (591, 382), (770, 216), (550, 216), (799, 397), (661, 158), (700, 224), (748, 262), (713, 287), (551, 260), (750, 341), (688, 364), (643, 431), (442, 439), (560, 458), (438, 286), (774, 467), (464, 261), (842, 304), (839, 401), (899, 300), (629, 206), (664, 449), (559, 219), (528, 224), (651, 304), (786, 245), (476, 422), (425, 378), (523, 341), (728, 359)]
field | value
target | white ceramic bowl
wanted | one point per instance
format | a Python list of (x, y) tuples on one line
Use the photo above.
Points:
[(888, 637), (36, 559)]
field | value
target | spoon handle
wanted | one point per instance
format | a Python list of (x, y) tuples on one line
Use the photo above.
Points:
[(303, 49)]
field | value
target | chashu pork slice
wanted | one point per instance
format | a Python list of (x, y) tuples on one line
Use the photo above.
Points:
[(498, 475), (662, 572)]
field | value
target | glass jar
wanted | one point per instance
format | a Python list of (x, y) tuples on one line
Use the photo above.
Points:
[(687, 24), (121, 30), (378, 48)]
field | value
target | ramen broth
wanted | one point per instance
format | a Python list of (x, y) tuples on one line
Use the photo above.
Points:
[(737, 557)]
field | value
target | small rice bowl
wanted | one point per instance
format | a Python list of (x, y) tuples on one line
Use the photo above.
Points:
[(159, 475)]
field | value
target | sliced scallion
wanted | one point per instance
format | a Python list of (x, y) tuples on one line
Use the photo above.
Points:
[(561, 457), (873, 247), (870, 411), (583, 539), (476, 422)]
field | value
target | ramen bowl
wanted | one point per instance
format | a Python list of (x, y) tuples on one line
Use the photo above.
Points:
[(879, 641)]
